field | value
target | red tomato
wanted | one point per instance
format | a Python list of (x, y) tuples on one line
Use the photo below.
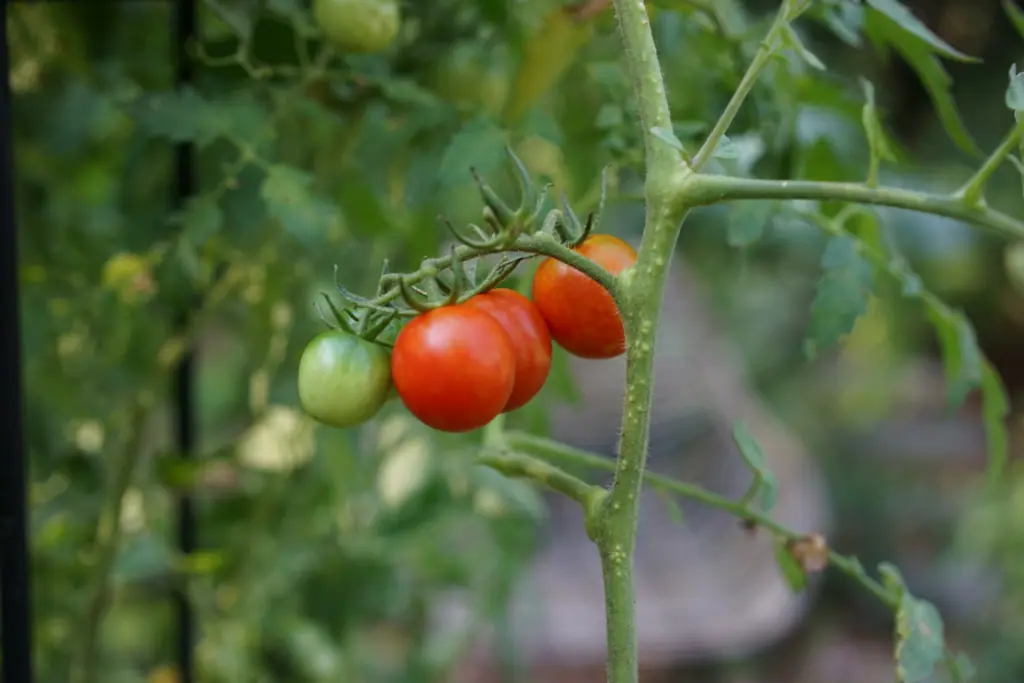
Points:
[(454, 368), (531, 340), (580, 313)]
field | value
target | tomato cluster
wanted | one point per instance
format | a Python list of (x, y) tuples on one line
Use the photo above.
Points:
[(457, 367)]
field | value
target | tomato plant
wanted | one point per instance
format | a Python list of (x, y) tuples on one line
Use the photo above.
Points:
[(454, 368), (359, 25), (581, 314), (343, 380), (531, 340)]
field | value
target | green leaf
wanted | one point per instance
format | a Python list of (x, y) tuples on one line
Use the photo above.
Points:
[(178, 116), (965, 366), (842, 295), (286, 192), (1015, 91), (1015, 14), (995, 407), (480, 144), (846, 21), (920, 643), (201, 218), (878, 142), (961, 357), (919, 639), (792, 40), (790, 568), (748, 220), (962, 668), (900, 15), (764, 479), (921, 57), (668, 137), (725, 149)]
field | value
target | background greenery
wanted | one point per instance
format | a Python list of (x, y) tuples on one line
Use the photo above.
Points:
[(324, 552)]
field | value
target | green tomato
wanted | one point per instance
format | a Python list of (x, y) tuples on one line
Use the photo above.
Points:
[(361, 26), (343, 379), (472, 78)]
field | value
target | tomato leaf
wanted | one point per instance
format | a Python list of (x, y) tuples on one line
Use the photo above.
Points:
[(791, 39), (962, 669), (725, 149), (480, 144), (1015, 14), (748, 221), (900, 15), (178, 116), (845, 21), (201, 218), (961, 356), (286, 192), (995, 407), (790, 568), (842, 295), (764, 482), (919, 643), (920, 55), (878, 142), (669, 138), (965, 367), (1015, 92)]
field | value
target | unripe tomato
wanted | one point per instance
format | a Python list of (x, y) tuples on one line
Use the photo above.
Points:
[(472, 78), (531, 340), (454, 368), (580, 313), (343, 379), (361, 26)]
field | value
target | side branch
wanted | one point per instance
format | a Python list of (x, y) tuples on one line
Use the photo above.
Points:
[(544, 473), (704, 190), (568, 456), (972, 193)]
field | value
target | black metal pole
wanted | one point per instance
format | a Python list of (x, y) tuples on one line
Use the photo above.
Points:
[(184, 19), (15, 590)]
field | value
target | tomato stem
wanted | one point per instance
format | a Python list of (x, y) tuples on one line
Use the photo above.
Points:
[(513, 464)]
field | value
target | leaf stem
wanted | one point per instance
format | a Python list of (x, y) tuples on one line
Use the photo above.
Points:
[(761, 59), (567, 456), (704, 190), (513, 464), (972, 192)]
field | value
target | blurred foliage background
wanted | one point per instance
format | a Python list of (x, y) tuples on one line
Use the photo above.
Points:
[(327, 555)]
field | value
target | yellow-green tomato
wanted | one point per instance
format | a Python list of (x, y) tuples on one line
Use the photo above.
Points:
[(361, 26), (343, 379)]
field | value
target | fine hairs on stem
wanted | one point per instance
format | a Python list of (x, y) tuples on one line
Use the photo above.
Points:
[(673, 185)]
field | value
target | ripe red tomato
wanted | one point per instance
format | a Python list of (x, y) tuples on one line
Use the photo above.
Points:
[(454, 368), (531, 340), (580, 313)]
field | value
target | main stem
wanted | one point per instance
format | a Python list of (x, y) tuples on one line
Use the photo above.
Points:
[(639, 297)]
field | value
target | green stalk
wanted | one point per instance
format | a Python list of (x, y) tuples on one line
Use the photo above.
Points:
[(973, 190), (613, 524), (703, 190)]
